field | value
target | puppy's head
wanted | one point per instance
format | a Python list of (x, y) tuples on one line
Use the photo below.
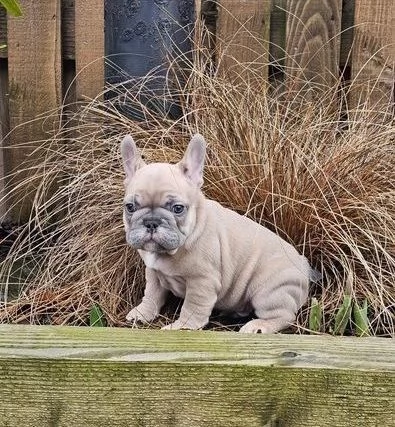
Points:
[(160, 198)]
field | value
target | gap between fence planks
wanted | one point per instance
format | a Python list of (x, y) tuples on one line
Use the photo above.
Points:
[(278, 33), (4, 127), (120, 377), (34, 65), (68, 29), (3, 32)]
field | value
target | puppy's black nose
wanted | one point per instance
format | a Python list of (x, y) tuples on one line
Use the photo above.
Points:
[(151, 224)]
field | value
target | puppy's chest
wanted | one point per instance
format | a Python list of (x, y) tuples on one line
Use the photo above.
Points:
[(167, 273), (160, 263), (150, 259)]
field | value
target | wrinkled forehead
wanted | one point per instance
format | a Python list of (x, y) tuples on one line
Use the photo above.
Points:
[(157, 183)]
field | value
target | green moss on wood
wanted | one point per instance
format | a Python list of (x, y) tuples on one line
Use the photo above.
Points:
[(121, 377)]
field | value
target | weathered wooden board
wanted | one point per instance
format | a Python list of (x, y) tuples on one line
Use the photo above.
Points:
[(313, 42), (198, 8), (243, 37), (373, 56), (34, 65), (89, 48), (120, 377)]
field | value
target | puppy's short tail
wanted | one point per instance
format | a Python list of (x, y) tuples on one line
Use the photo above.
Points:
[(315, 275)]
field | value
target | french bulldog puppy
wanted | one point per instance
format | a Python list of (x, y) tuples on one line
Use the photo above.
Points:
[(204, 253)]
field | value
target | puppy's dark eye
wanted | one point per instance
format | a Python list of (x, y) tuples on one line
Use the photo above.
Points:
[(178, 209), (130, 207)]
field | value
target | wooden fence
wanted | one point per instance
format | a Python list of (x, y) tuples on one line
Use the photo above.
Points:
[(68, 376), (57, 42)]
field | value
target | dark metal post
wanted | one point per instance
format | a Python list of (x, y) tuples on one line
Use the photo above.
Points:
[(140, 37)]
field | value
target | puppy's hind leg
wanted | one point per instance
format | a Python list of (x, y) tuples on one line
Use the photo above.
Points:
[(269, 323), (276, 307)]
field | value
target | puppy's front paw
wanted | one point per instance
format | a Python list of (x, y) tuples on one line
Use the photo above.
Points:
[(172, 326), (141, 314), (179, 324), (256, 326)]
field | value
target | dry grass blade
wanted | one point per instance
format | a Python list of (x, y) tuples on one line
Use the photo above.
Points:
[(293, 163)]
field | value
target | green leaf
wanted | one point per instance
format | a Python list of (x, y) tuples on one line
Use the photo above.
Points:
[(360, 317), (3, 46), (315, 316), (12, 7), (96, 316), (343, 316)]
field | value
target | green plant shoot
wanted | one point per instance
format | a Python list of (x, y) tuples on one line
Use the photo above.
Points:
[(12, 7), (96, 316), (315, 317), (343, 316), (360, 318)]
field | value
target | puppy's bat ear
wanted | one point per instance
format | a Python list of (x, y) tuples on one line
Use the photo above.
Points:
[(131, 157), (193, 161)]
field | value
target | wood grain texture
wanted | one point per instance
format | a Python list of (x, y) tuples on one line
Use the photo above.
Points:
[(243, 38), (313, 42), (198, 7), (373, 54), (89, 48), (34, 65), (120, 377)]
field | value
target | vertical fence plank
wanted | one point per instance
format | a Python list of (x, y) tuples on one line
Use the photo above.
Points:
[(374, 53), (243, 37), (34, 65), (89, 48), (313, 42), (198, 8)]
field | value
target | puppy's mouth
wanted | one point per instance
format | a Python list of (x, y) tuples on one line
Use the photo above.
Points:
[(154, 244), (158, 244)]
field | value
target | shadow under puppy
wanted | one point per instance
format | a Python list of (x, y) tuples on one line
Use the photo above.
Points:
[(204, 253)]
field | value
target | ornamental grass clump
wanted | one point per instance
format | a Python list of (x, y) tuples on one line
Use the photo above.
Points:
[(299, 162)]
